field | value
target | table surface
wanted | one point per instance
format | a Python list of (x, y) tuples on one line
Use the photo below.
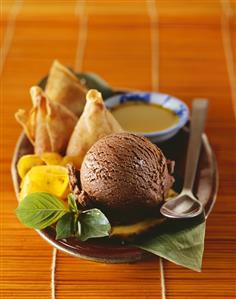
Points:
[(184, 48)]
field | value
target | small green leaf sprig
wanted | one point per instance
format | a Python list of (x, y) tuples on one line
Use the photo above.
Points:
[(40, 209)]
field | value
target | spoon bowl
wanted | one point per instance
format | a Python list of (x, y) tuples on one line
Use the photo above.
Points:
[(185, 205)]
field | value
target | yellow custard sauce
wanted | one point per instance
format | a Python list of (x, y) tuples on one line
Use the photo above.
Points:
[(143, 117)]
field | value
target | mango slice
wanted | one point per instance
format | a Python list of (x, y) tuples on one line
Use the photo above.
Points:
[(126, 231), (28, 186), (53, 179), (26, 162), (67, 159), (51, 158)]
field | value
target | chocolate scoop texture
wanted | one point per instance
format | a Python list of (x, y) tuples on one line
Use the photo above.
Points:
[(126, 176), (95, 122)]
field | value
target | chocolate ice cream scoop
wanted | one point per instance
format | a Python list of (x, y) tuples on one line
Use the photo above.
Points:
[(126, 176)]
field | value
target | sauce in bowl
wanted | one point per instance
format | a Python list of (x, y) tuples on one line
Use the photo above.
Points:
[(141, 117)]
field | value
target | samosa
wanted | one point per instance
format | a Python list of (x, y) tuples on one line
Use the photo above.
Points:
[(48, 125), (64, 87), (95, 122)]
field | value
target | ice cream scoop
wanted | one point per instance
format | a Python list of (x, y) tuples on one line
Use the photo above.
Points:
[(125, 175)]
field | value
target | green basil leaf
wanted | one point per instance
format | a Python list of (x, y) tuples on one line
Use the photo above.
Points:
[(184, 247), (72, 203), (40, 209), (65, 227), (93, 224)]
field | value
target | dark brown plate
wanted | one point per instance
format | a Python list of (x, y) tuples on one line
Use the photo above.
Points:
[(205, 188), (105, 250)]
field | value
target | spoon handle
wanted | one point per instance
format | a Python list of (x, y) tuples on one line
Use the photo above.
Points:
[(199, 112)]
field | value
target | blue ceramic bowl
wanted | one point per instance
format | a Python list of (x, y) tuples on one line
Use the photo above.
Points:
[(161, 99)]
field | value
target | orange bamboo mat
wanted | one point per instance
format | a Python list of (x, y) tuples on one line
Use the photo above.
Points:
[(185, 48)]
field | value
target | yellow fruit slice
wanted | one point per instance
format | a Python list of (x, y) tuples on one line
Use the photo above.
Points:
[(26, 162), (68, 159), (51, 158), (136, 228), (53, 179), (28, 186)]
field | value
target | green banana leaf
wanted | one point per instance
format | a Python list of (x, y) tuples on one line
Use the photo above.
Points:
[(181, 242)]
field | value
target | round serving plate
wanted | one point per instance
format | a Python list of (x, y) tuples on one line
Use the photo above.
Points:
[(106, 250), (103, 250)]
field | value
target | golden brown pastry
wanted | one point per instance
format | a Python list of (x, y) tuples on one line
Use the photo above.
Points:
[(48, 125), (64, 87), (95, 122)]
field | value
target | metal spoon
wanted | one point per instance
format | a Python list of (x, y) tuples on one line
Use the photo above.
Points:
[(186, 205)]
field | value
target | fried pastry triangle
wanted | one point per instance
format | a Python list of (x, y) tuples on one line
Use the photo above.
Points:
[(95, 122), (48, 125), (64, 87)]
